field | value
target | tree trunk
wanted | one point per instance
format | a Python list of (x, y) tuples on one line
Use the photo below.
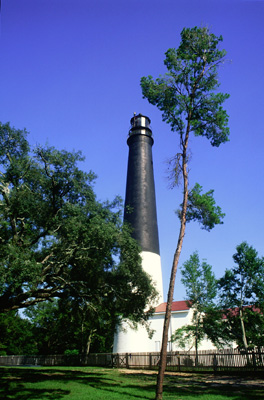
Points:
[(244, 337), (196, 351), (88, 341), (88, 344), (163, 353)]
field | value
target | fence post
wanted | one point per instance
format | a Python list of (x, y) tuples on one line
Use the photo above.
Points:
[(127, 364), (117, 360), (254, 360), (260, 358), (150, 360), (215, 363), (179, 363)]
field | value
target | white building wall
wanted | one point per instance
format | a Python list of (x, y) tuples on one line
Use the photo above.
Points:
[(137, 341)]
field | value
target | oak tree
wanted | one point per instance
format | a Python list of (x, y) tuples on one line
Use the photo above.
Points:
[(57, 240)]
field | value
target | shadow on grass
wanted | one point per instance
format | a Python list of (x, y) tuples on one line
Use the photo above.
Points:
[(22, 393), (18, 384), (199, 387), (204, 390)]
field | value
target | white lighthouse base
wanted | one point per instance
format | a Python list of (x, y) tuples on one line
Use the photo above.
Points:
[(129, 340), (151, 264)]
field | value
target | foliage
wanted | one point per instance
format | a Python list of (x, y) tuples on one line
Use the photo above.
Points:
[(201, 289), (58, 241), (215, 328), (16, 335), (202, 208), (73, 352), (199, 281), (184, 337), (186, 95), (44, 317), (241, 297), (70, 325)]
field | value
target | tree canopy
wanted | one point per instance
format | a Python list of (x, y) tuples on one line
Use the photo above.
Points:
[(71, 325), (57, 240), (207, 317), (241, 297), (16, 335), (229, 310), (201, 289), (186, 93)]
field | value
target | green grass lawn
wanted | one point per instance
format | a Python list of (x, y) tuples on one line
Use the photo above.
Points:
[(85, 383)]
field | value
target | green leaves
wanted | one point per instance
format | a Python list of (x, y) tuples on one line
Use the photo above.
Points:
[(13, 144), (186, 93), (238, 316), (199, 281), (184, 337), (210, 120), (202, 208), (58, 240), (243, 284), (201, 290), (241, 296), (199, 44), (16, 336)]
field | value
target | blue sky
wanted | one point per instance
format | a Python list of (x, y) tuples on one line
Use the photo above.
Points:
[(70, 73)]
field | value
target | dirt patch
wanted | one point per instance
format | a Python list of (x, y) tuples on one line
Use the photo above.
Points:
[(137, 371), (208, 379), (234, 381)]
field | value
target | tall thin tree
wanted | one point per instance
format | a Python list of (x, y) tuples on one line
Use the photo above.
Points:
[(187, 97)]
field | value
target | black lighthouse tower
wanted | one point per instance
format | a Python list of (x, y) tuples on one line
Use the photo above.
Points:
[(140, 201)]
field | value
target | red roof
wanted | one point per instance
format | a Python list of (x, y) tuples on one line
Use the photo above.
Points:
[(235, 311), (176, 306)]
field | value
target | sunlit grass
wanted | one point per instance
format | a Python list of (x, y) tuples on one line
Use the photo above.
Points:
[(102, 384)]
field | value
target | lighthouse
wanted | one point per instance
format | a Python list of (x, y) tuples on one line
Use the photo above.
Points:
[(140, 212), (140, 202)]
